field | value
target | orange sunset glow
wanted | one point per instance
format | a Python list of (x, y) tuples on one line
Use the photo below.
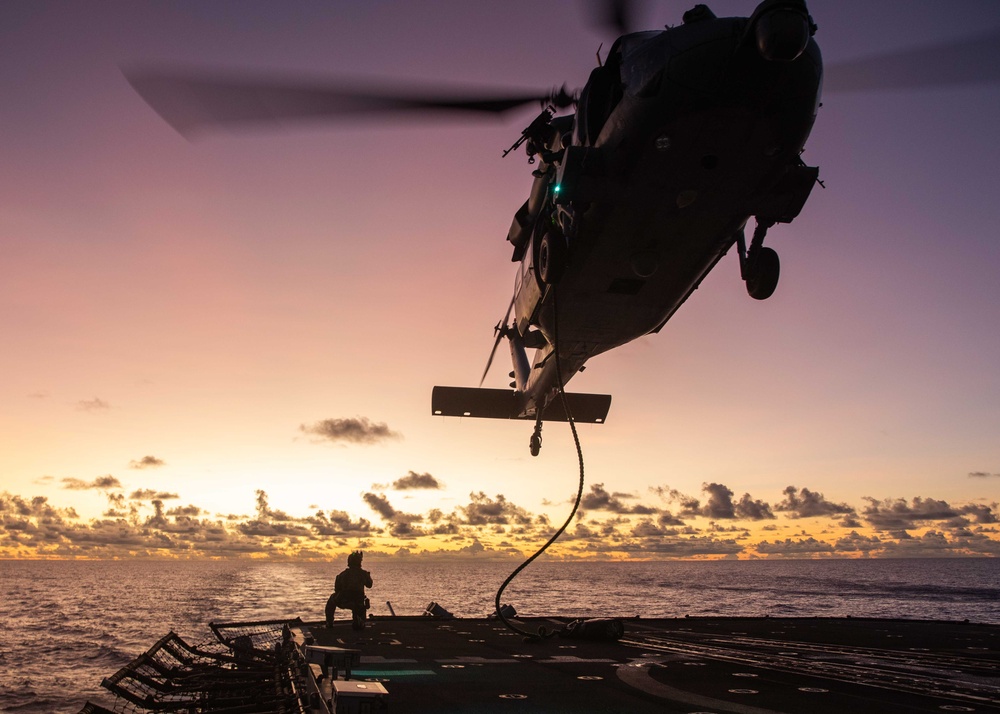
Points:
[(225, 347)]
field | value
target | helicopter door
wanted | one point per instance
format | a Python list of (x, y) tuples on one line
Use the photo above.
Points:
[(527, 291), (598, 99)]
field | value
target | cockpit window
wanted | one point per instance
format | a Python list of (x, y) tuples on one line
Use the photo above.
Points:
[(643, 55)]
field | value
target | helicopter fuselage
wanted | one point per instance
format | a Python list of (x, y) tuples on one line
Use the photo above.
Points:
[(655, 184)]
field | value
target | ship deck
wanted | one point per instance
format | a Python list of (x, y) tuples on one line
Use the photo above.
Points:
[(744, 666)]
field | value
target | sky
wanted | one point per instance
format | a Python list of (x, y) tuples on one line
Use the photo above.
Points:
[(226, 347)]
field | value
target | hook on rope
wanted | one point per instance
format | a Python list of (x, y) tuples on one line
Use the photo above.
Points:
[(535, 445)]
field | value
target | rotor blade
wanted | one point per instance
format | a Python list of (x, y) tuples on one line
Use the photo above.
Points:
[(500, 335), (969, 61), (193, 101), (617, 16)]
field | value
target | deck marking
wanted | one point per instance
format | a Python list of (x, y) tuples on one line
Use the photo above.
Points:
[(640, 678)]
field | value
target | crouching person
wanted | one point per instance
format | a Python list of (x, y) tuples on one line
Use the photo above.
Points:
[(349, 592)]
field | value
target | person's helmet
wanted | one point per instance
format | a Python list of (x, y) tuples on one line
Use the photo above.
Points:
[(354, 559)]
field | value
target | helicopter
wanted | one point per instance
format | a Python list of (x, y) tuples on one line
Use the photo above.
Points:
[(678, 139)]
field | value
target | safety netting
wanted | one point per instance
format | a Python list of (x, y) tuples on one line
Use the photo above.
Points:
[(249, 667)]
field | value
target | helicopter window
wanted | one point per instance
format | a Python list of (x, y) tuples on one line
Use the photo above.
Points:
[(597, 101), (643, 55), (599, 97)]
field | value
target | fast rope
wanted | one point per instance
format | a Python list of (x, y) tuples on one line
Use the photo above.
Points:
[(542, 633)]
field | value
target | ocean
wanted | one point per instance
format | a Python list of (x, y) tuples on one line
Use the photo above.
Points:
[(68, 624)]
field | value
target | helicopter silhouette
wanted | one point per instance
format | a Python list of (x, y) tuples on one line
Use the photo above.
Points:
[(642, 181)]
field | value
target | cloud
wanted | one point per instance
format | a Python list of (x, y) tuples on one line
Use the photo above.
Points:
[(266, 513), (380, 504), (677, 547), (146, 462), (143, 526), (850, 521), (339, 523), (897, 514), (981, 513), (647, 529), (37, 507), (720, 504), (358, 430), (148, 494), (101, 482), (92, 405), (937, 544), (666, 518), (855, 542), (482, 510), (755, 510), (714, 527), (689, 505), (600, 500), (271, 529), (413, 480), (809, 504), (793, 548), (400, 524), (34, 528), (983, 474), (188, 511), (58, 533)]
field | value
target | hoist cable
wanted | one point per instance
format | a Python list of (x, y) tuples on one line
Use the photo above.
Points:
[(542, 633)]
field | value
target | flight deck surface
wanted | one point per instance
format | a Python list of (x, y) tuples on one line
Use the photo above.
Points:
[(745, 666)]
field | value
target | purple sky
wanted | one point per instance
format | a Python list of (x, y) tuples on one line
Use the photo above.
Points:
[(202, 302)]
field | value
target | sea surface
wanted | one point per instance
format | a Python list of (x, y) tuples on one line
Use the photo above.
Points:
[(64, 625)]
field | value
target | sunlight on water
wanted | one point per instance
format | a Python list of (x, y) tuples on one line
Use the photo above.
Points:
[(69, 624)]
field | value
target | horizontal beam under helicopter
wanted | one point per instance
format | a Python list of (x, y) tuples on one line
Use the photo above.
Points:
[(485, 403)]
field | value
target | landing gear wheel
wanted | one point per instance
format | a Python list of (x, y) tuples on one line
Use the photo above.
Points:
[(551, 258), (763, 278)]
